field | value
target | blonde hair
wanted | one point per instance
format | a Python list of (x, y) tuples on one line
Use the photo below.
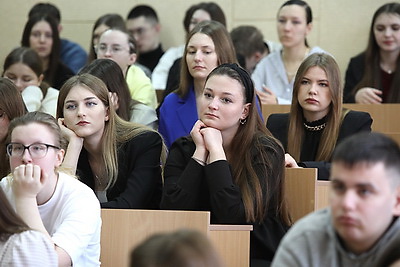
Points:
[(116, 130), (335, 114)]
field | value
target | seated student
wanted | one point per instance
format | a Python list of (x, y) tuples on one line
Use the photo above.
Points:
[(24, 68), (118, 159), (363, 217), (317, 121), (182, 248), (128, 109), (118, 45), (204, 11), (72, 54), (48, 200), (41, 34), (102, 24), (207, 46), (373, 77), (11, 106), (193, 15), (274, 74), (20, 245), (230, 165), (143, 24)]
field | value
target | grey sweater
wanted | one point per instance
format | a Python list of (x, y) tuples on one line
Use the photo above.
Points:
[(312, 241)]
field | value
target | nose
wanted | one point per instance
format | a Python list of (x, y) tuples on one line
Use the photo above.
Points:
[(26, 157), (42, 38), (349, 200), (197, 56), (388, 31), (108, 53), (312, 90), (18, 84), (287, 25), (80, 111), (213, 104)]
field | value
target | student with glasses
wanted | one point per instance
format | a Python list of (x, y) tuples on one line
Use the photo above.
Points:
[(118, 45), (47, 199)]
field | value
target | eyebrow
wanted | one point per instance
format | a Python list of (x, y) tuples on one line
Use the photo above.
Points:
[(85, 99), (224, 93)]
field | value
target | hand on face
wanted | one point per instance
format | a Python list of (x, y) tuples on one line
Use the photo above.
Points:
[(28, 180), (67, 133), (368, 95)]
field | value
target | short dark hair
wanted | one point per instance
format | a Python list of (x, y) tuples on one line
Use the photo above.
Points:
[(46, 9), (143, 10), (368, 147)]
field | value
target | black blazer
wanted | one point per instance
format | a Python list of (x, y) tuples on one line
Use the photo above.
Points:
[(353, 122), (354, 74), (139, 183)]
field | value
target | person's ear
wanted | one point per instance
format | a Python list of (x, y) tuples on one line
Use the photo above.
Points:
[(245, 112), (132, 58), (158, 27), (60, 27), (396, 208), (107, 114), (59, 157), (309, 28)]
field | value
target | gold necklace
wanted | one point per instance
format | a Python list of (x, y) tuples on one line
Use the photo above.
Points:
[(314, 128)]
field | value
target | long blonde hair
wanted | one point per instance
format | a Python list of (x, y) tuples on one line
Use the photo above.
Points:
[(335, 115), (116, 130)]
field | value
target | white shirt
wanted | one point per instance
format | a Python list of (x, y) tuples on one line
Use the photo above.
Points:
[(72, 219)]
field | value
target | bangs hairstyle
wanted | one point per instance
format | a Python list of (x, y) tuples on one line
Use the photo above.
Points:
[(334, 117), (223, 48)]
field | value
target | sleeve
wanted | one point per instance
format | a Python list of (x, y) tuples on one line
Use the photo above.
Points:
[(139, 178), (29, 248), (288, 255), (324, 168), (259, 74), (73, 55), (164, 128), (226, 197), (183, 178), (160, 73), (32, 96), (140, 87), (79, 230), (352, 78)]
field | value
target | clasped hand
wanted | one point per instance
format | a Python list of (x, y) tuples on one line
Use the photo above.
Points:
[(28, 180)]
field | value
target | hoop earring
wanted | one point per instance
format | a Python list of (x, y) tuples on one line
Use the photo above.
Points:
[(243, 121)]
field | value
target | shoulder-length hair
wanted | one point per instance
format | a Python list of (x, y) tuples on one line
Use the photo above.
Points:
[(111, 74), (54, 57), (334, 116), (116, 130), (223, 48), (12, 104), (372, 69), (10, 222), (26, 56), (253, 141), (111, 21)]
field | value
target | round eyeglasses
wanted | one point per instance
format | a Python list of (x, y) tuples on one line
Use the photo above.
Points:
[(37, 150)]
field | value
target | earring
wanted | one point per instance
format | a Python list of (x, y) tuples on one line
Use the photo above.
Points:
[(243, 121)]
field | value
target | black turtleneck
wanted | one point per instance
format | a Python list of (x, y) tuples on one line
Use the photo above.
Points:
[(150, 59), (312, 137)]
